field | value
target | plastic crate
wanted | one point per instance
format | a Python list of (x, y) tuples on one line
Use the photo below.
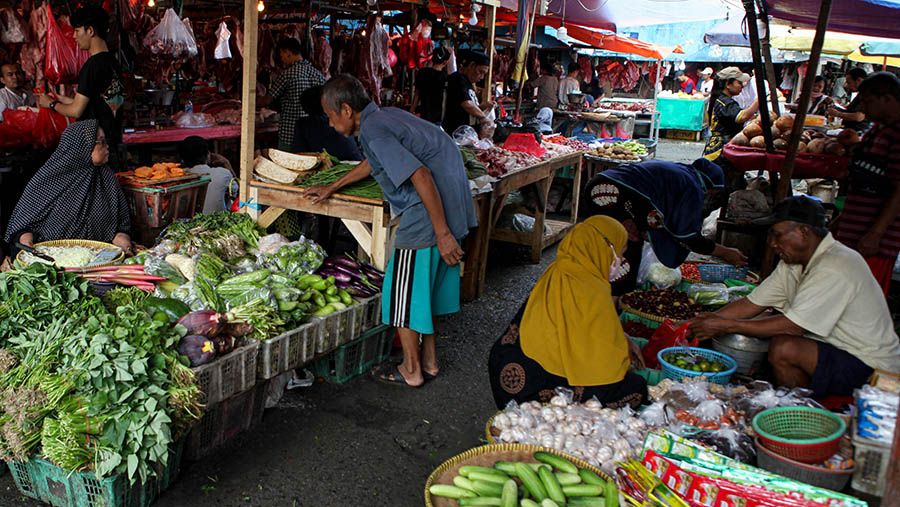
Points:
[(357, 357), (721, 272), (338, 328), (630, 317), (225, 421), (287, 350), (44, 481), (159, 206), (371, 314), (227, 375), (872, 462)]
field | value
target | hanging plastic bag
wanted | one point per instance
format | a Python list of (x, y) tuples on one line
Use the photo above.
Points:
[(64, 58), (171, 37), (48, 128), (655, 272), (665, 336), (12, 27), (17, 128), (223, 49)]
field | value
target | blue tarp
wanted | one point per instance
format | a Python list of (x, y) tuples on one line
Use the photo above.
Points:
[(880, 48), (689, 36)]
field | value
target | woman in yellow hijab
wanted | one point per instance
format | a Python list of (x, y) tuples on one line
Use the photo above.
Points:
[(568, 333)]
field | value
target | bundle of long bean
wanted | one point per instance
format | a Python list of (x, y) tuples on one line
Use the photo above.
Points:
[(366, 188), (123, 274)]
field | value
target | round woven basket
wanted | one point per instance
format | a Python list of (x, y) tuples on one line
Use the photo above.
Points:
[(648, 316), (86, 243), (487, 455), (489, 426)]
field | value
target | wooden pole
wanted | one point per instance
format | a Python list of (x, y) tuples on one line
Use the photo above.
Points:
[(760, 73), (248, 96), (490, 22), (766, 47)]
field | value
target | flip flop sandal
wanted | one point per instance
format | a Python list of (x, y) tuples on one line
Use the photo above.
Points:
[(428, 376), (390, 374)]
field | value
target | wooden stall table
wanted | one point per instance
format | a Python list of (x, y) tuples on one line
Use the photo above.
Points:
[(490, 206), (369, 220), (144, 139)]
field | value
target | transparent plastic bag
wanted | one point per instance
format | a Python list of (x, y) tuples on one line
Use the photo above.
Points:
[(223, 49), (157, 266), (64, 58), (655, 272), (271, 243), (187, 294), (708, 294), (464, 135), (171, 37), (193, 120)]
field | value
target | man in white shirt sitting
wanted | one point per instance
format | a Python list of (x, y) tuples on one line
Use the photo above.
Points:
[(569, 84), (13, 94), (196, 158), (833, 327)]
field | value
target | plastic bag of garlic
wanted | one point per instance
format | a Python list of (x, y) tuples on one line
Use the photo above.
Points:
[(600, 436)]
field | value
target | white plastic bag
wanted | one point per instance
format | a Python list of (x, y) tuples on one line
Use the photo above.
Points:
[(171, 37), (223, 35), (12, 27), (655, 272)]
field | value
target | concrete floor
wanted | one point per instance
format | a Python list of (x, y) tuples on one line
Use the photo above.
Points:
[(364, 443)]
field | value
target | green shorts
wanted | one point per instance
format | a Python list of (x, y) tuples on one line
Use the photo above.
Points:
[(418, 285)]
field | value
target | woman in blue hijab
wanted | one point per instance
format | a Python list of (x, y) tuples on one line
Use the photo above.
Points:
[(662, 202)]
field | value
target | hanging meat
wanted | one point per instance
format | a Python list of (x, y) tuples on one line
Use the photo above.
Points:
[(321, 57), (132, 12), (12, 27), (372, 58)]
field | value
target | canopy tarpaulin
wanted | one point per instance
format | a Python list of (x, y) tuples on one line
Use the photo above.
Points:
[(618, 43), (858, 56), (612, 15), (880, 18), (881, 48)]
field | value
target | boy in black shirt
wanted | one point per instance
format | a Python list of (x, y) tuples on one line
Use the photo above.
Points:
[(98, 80)]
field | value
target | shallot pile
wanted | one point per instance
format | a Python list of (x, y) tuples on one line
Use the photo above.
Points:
[(600, 436)]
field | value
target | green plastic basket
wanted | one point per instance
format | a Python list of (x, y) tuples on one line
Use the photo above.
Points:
[(805, 434), (630, 317), (356, 357)]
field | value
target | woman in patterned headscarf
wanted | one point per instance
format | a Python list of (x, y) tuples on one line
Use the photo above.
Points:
[(75, 195), (568, 333)]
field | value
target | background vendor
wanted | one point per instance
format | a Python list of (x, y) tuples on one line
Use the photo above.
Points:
[(665, 201), (568, 333), (14, 94), (834, 326), (462, 107), (852, 117), (75, 195)]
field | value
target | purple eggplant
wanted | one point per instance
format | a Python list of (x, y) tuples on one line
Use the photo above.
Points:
[(373, 274), (346, 262), (338, 275), (365, 289), (351, 289)]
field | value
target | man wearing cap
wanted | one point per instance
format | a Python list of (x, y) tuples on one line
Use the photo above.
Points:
[(706, 81), (462, 106), (833, 326), (686, 83)]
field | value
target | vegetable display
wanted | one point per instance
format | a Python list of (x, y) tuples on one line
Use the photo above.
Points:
[(123, 274), (355, 277), (599, 436), (64, 256), (692, 362), (88, 388), (367, 187), (222, 233), (669, 303), (551, 482)]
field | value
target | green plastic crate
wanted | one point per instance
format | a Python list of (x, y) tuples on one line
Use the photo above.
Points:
[(356, 357), (652, 376), (630, 317), (44, 481)]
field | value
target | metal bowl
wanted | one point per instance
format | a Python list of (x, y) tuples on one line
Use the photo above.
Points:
[(576, 98), (742, 342)]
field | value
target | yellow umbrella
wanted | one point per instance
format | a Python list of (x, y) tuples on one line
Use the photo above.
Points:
[(801, 40), (857, 56)]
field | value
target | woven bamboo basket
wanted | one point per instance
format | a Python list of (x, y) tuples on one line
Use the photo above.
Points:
[(487, 455), (86, 243)]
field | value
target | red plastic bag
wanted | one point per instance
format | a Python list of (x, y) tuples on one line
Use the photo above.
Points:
[(665, 336), (16, 129), (132, 11), (64, 58), (525, 143), (48, 128)]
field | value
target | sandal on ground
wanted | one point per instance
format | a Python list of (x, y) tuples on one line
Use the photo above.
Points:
[(390, 374)]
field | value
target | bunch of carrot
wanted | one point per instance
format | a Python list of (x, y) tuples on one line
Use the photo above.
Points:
[(123, 274)]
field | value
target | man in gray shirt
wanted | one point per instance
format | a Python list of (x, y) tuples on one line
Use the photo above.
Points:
[(421, 173)]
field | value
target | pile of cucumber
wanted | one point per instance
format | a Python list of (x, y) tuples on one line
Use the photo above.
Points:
[(552, 482)]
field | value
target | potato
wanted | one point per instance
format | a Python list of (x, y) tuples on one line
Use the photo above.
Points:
[(758, 142), (833, 147), (753, 129), (848, 137), (816, 146), (780, 144), (801, 148), (740, 140), (786, 135), (776, 133), (784, 123)]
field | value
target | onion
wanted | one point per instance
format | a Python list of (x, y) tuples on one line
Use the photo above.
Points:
[(816, 146), (753, 129), (776, 132), (758, 142), (784, 123), (780, 144), (848, 137), (740, 140), (834, 148), (801, 148)]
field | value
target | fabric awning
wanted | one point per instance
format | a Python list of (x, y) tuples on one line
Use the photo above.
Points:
[(613, 15), (880, 18), (617, 43)]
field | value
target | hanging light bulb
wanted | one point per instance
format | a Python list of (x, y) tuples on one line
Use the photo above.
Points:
[(260, 6), (370, 3), (151, 3), (473, 19), (562, 33)]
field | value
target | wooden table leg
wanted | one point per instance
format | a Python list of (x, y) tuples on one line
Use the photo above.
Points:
[(537, 236), (476, 247), (380, 253), (253, 211), (576, 191)]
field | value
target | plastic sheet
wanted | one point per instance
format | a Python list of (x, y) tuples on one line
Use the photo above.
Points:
[(132, 11), (223, 35)]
